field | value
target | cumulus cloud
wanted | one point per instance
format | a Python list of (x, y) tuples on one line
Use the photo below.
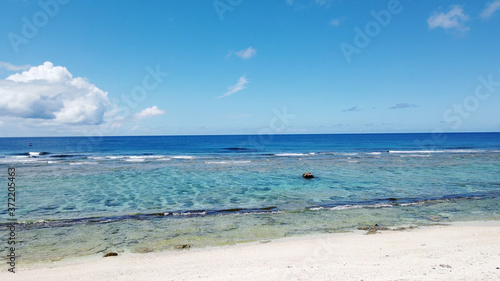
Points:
[(246, 53), (402, 105), (10, 67), (454, 18), (51, 93), (490, 9), (355, 108), (235, 88), (150, 112)]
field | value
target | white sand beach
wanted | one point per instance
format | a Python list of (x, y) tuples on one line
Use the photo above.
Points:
[(461, 251)]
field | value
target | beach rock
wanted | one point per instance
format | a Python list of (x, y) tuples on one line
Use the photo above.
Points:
[(307, 175), (373, 229), (110, 254), (143, 250), (183, 246)]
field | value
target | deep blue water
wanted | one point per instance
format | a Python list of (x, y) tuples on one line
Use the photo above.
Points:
[(264, 144), (228, 188)]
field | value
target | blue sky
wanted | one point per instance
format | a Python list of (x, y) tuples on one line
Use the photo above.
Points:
[(72, 67)]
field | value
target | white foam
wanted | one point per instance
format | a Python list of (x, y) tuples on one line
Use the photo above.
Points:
[(438, 151), (349, 153), (18, 159), (164, 159), (135, 160), (115, 157), (291, 154), (410, 204), (96, 157), (83, 163), (183, 157), (228, 162), (348, 207)]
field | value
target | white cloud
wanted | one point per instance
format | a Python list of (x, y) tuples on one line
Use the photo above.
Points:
[(336, 21), (1, 123), (246, 53), (50, 93), (236, 88), (134, 128), (490, 9), (150, 112), (454, 18), (10, 67)]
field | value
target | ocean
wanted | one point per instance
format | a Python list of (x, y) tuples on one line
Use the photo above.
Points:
[(78, 196)]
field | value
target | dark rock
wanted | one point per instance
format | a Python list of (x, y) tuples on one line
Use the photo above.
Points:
[(403, 228), (183, 246), (373, 229), (307, 175), (110, 254)]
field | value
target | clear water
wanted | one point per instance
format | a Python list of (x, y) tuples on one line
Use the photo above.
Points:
[(79, 196)]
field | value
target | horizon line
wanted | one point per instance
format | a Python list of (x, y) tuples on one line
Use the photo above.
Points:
[(280, 134)]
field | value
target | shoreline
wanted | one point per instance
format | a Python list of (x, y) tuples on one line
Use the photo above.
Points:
[(469, 250)]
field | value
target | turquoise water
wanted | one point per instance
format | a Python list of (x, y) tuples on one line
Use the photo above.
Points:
[(79, 196)]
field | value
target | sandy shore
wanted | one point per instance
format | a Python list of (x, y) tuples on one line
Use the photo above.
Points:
[(462, 251)]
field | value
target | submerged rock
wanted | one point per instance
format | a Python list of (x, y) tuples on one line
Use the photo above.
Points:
[(110, 254), (183, 246), (307, 175)]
